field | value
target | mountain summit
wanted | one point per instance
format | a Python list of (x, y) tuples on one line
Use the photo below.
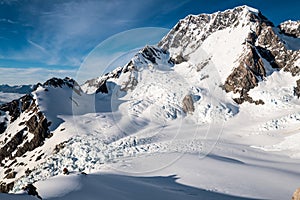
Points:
[(210, 72)]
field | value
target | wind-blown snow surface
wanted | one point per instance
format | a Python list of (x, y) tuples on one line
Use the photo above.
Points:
[(132, 165), (136, 142)]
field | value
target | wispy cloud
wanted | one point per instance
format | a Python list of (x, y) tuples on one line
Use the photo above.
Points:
[(8, 21), (69, 30), (37, 45), (65, 32)]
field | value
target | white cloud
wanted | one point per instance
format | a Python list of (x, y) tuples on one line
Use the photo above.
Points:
[(19, 76), (61, 33), (67, 30)]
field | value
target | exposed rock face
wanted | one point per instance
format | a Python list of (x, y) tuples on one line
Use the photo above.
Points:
[(36, 125), (278, 55), (297, 89), (30, 134), (11, 145), (3, 121), (11, 175), (262, 43), (13, 109), (183, 35), (102, 87), (246, 76), (66, 171), (6, 187), (188, 104), (290, 28), (57, 82), (31, 190), (177, 59), (99, 85), (296, 195), (149, 54)]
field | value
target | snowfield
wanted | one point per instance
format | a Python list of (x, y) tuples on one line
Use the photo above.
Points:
[(178, 158), (136, 141)]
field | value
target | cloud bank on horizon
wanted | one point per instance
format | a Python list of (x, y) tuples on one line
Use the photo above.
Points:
[(39, 39)]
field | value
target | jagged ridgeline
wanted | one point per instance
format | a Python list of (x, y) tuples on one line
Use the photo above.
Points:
[(231, 51)]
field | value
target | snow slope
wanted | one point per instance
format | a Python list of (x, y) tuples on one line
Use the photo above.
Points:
[(164, 127)]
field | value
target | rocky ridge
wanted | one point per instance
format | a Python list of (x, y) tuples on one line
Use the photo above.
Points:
[(31, 133), (264, 52)]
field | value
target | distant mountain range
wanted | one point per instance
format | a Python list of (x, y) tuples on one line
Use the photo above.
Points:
[(20, 89)]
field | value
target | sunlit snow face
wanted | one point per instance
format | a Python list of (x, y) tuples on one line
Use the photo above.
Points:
[(148, 98), (117, 50)]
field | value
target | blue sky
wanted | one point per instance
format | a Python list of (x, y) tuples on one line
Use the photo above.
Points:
[(44, 38)]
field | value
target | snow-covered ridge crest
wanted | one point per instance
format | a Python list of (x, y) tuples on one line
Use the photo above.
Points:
[(189, 33), (147, 57), (27, 124), (290, 28), (162, 102)]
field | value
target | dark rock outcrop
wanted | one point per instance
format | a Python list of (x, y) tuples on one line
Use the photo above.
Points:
[(177, 59), (188, 104), (10, 175), (6, 187), (39, 128), (3, 127), (101, 84), (297, 89), (102, 87), (11, 145), (263, 44), (58, 82), (15, 107), (149, 55), (31, 190), (66, 171), (16, 144), (246, 76)]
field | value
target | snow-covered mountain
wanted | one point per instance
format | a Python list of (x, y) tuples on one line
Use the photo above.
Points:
[(222, 85), (20, 89)]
